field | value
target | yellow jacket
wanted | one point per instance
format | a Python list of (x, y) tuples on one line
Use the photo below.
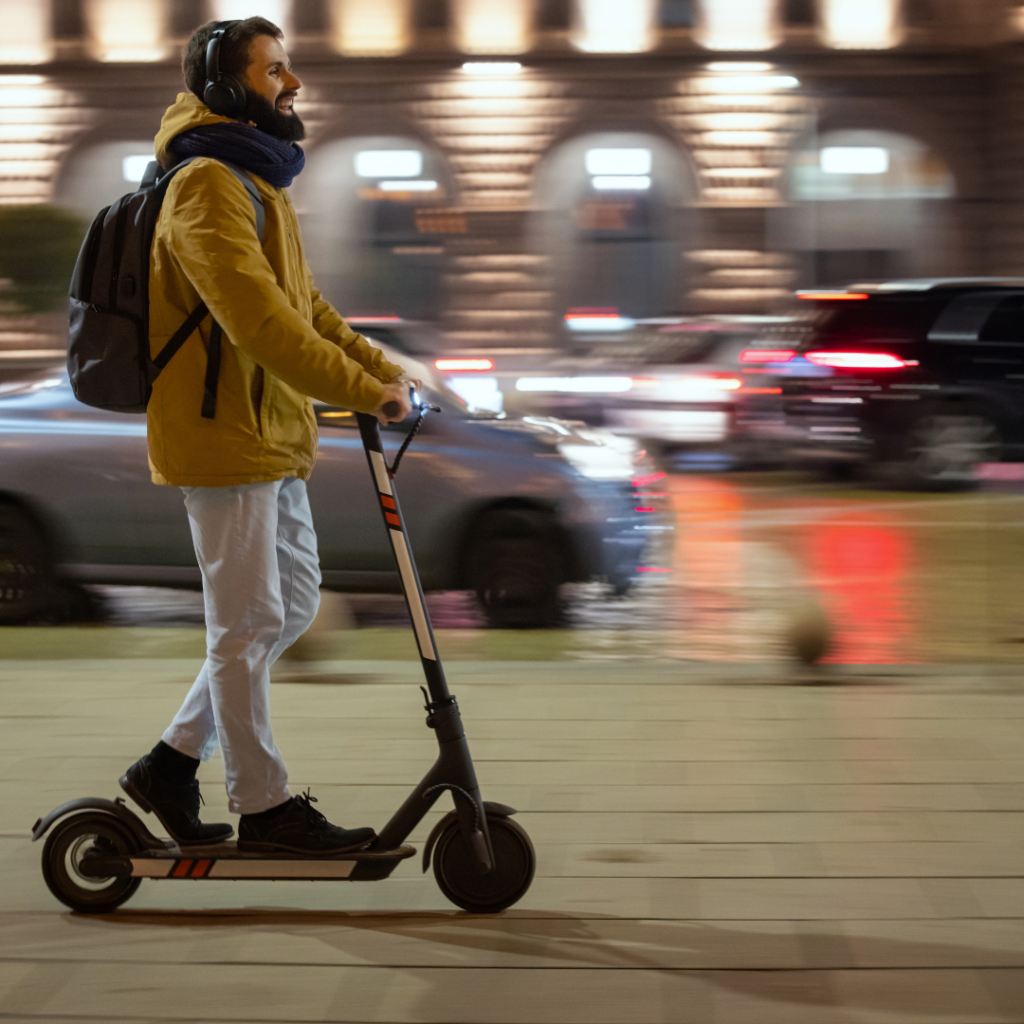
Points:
[(282, 340)]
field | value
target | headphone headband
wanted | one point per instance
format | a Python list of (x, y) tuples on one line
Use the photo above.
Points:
[(223, 94)]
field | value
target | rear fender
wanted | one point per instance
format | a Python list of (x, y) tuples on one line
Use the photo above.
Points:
[(115, 808), (491, 809)]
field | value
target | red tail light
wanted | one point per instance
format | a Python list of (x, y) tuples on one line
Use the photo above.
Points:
[(766, 355), (833, 296), (859, 360)]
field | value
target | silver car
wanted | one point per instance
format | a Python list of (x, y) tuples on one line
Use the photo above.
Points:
[(510, 508)]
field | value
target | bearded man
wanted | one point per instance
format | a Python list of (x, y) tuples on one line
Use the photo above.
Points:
[(243, 468)]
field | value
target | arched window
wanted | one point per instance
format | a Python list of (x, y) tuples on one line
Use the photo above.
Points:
[(872, 205), (610, 216), (95, 176), (376, 214)]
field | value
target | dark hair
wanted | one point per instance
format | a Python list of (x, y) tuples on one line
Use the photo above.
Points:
[(234, 50)]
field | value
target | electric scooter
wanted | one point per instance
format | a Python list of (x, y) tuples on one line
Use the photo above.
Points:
[(100, 851)]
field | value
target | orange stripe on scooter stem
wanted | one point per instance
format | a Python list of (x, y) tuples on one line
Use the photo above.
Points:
[(388, 502)]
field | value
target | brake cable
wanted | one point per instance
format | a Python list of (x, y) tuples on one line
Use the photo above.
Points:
[(425, 407)]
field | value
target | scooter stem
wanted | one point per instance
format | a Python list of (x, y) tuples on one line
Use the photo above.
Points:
[(394, 523)]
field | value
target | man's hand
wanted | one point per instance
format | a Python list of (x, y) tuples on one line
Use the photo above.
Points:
[(397, 392), (413, 382)]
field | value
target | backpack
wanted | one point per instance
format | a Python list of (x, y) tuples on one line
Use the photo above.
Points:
[(108, 340)]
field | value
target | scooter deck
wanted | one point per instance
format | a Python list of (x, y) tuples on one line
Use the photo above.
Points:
[(226, 861)]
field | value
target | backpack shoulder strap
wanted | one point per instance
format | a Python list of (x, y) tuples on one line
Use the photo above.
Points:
[(250, 186), (254, 195)]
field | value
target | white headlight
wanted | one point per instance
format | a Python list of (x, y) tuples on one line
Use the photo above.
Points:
[(598, 462)]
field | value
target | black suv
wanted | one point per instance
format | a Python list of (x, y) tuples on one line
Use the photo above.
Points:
[(921, 380)]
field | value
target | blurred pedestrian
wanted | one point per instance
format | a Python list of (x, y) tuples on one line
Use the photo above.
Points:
[(243, 470)]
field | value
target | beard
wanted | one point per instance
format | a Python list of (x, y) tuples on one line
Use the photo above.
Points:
[(267, 118)]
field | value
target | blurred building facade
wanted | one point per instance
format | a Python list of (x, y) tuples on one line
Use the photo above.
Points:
[(497, 165)]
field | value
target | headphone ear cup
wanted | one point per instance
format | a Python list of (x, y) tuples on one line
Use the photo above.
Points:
[(225, 96)]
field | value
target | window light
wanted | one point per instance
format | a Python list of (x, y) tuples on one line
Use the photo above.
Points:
[(417, 185), (860, 24), (615, 26), (134, 167), (854, 160), (739, 25), (389, 163), (127, 30), (621, 182), (492, 67), (26, 33), (492, 26), (618, 161), (381, 27)]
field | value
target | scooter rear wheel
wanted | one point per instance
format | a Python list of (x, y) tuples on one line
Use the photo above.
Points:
[(73, 840), (514, 865)]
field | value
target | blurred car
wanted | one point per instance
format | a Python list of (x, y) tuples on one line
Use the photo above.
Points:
[(680, 384), (469, 373), (509, 508), (921, 380)]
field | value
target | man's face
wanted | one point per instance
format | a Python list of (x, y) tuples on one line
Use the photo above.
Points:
[(270, 89)]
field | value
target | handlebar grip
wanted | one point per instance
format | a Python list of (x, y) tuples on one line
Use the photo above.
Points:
[(390, 408)]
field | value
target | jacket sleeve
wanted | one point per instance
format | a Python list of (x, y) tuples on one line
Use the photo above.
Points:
[(211, 226), (330, 324)]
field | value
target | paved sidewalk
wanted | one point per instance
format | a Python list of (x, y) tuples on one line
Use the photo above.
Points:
[(716, 843)]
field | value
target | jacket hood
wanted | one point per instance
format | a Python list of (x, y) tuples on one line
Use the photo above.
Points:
[(186, 112)]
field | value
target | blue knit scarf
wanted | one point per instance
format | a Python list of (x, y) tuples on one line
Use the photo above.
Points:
[(275, 161)]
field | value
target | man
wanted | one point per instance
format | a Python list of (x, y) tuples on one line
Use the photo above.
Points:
[(243, 471)]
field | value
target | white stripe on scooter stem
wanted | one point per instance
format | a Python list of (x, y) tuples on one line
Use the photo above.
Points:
[(380, 471), (412, 592)]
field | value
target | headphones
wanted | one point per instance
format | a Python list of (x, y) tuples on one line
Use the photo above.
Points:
[(223, 94)]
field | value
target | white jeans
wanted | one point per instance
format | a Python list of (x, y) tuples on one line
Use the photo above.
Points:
[(261, 588)]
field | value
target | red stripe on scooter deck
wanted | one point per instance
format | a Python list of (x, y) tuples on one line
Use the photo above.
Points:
[(181, 869), (202, 866)]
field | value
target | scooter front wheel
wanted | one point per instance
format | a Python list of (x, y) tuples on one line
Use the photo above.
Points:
[(514, 865), (71, 843)]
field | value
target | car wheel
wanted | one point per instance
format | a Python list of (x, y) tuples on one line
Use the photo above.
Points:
[(942, 450), (26, 573), (516, 570)]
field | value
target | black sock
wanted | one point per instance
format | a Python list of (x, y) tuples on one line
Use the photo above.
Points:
[(273, 812), (173, 766)]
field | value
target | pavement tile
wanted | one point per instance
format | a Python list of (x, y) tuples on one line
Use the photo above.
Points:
[(718, 847)]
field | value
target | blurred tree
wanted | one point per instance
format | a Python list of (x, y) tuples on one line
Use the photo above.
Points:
[(38, 247)]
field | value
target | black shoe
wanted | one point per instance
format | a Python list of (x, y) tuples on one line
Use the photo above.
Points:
[(298, 828), (177, 807)]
